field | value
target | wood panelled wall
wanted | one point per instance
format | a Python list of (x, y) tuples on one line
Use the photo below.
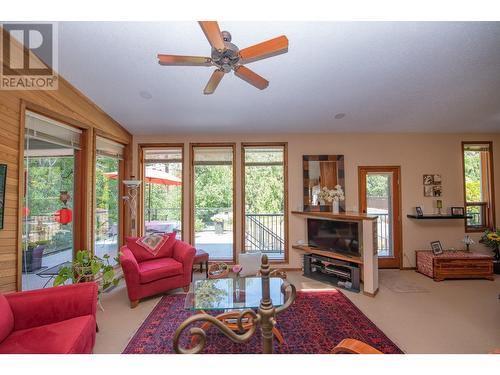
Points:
[(69, 105)]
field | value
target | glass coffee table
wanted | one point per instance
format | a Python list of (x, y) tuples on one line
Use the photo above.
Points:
[(231, 296)]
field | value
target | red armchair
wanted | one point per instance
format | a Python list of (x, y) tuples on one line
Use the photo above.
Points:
[(147, 274), (58, 320)]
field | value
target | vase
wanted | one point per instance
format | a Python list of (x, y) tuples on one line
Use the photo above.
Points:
[(335, 207)]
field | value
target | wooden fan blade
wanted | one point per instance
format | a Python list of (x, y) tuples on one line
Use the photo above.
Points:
[(213, 82), (264, 50), (212, 32), (251, 77), (184, 60)]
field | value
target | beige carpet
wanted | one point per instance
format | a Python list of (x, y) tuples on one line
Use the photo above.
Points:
[(453, 316)]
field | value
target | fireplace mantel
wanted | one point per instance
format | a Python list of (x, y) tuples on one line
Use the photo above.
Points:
[(351, 216)]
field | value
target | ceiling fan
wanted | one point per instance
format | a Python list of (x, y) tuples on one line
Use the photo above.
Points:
[(226, 57)]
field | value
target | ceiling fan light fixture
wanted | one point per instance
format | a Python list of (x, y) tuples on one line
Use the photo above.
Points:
[(226, 56)]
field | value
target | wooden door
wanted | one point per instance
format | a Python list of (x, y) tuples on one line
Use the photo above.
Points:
[(380, 194)]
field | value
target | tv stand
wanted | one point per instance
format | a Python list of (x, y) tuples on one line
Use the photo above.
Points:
[(331, 270), (368, 261)]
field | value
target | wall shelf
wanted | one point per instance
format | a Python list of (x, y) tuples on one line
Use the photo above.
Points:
[(437, 217)]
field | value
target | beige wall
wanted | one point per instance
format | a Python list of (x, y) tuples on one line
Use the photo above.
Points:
[(417, 154)]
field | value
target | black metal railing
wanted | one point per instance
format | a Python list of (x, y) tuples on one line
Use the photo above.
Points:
[(478, 212), (264, 233), (383, 234)]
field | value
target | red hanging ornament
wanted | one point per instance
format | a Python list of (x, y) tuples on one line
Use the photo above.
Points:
[(64, 216)]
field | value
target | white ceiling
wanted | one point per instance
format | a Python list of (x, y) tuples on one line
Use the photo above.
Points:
[(386, 77)]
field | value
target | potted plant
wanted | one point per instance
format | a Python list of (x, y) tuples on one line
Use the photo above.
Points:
[(491, 239), (32, 255), (218, 220), (87, 267)]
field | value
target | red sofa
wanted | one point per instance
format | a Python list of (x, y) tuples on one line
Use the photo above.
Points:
[(58, 320), (147, 274)]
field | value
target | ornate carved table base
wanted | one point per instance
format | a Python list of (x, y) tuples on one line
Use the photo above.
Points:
[(230, 320), (246, 321)]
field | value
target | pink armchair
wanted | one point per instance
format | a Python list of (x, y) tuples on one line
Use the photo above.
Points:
[(147, 274), (57, 320)]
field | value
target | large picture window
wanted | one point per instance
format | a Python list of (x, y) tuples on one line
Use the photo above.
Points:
[(162, 189), (109, 156), (265, 199), (212, 188), (478, 185)]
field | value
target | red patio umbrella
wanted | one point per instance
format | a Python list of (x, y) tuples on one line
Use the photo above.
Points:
[(153, 176)]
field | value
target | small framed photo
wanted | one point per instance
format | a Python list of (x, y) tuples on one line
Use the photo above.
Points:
[(437, 191), (436, 247), (428, 179), (428, 192), (419, 211), (457, 211), (436, 179)]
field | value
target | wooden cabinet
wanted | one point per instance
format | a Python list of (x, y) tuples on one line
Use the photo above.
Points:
[(454, 265)]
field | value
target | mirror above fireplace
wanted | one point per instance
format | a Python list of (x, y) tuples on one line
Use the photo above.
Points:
[(320, 171)]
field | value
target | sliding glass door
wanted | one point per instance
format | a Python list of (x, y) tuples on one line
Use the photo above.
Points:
[(107, 198), (50, 151), (212, 200)]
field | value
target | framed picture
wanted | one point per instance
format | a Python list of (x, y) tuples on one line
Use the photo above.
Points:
[(436, 247), (3, 179), (457, 211), (419, 211), (428, 192), (436, 179), (428, 179), (437, 191)]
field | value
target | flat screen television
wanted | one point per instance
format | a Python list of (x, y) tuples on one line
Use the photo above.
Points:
[(335, 236)]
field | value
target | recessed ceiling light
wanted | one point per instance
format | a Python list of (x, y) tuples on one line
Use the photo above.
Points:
[(145, 94), (339, 116)]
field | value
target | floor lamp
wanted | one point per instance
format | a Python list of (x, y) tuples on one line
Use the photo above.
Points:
[(131, 198)]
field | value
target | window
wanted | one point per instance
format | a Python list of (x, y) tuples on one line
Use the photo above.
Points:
[(478, 185), (109, 155), (265, 199), (162, 189), (51, 150), (212, 188)]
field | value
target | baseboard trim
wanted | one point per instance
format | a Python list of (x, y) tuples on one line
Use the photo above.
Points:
[(371, 294), (408, 268)]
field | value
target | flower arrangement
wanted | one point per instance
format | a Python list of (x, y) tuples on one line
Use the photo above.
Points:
[(237, 269), (491, 238), (334, 195), (220, 217)]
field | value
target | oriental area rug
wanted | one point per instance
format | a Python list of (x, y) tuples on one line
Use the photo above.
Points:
[(314, 324)]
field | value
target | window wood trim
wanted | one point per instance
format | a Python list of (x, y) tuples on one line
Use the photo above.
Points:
[(140, 196), (490, 214), (192, 146), (285, 260)]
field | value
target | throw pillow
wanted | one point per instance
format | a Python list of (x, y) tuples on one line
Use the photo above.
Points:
[(152, 242)]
